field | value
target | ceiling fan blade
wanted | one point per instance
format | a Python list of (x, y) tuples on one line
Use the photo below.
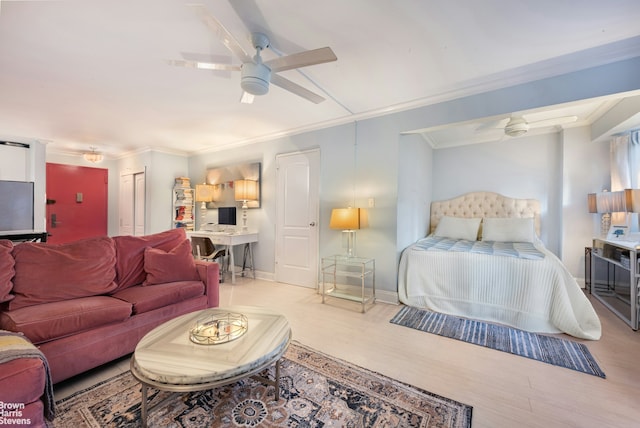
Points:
[(296, 89), (301, 59), (203, 65), (553, 122), (494, 124), (222, 33)]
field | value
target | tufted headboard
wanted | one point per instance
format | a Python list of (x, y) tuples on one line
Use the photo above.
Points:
[(485, 204)]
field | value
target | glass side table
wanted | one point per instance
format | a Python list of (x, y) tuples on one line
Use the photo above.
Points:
[(350, 278)]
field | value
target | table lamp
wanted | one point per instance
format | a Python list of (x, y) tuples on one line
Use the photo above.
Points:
[(204, 194), (245, 191), (620, 203), (348, 220)]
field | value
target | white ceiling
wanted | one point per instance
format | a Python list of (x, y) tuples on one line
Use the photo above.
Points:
[(82, 73)]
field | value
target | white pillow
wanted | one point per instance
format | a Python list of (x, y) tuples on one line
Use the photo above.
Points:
[(458, 228), (508, 229)]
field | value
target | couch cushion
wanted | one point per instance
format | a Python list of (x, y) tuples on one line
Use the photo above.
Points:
[(130, 254), (6, 270), (49, 321), (50, 273), (145, 299), (170, 266)]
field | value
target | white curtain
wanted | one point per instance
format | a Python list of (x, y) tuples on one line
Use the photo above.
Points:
[(620, 165), (634, 159), (625, 167)]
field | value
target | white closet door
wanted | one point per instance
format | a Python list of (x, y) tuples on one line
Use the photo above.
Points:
[(126, 204), (139, 204), (297, 177)]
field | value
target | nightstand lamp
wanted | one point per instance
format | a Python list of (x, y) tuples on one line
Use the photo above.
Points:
[(347, 220), (204, 194), (620, 203), (245, 191)]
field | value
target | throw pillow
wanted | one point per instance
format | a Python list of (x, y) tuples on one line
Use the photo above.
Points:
[(130, 251), (508, 229), (458, 228), (170, 266)]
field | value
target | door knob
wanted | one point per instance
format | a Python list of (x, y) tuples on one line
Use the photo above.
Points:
[(313, 223)]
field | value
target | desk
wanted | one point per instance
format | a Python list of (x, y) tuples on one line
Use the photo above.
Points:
[(230, 239)]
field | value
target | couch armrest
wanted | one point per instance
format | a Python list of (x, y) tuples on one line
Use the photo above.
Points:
[(210, 274)]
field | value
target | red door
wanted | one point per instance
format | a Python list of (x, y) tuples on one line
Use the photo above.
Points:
[(76, 202)]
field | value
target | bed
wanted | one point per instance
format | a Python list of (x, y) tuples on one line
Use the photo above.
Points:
[(483, 260)]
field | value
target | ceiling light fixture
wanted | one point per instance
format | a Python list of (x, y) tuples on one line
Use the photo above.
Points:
[(516, 127), (255, 78), (93, 156)]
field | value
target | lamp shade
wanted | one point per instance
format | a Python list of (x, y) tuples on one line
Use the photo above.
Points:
[(345, 218), (592, 202), (632, 200), (627, 200), (246, 190), (204, 193)]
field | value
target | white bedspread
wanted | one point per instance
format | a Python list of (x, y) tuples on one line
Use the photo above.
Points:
[(533, 295)]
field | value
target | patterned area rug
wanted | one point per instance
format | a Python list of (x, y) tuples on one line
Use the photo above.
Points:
[(548, 349), (316, 391)]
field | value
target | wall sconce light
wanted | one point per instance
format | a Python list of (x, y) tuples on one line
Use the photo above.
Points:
[(245, 191), (93, 156), (204, 194), (348, 220)]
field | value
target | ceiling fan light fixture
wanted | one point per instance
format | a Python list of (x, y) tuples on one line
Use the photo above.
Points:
[(255, 78), (516, 127)]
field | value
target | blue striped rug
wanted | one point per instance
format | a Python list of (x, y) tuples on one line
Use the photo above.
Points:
[(548, 349)]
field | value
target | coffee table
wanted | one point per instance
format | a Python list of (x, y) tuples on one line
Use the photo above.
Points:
[(166, 359)]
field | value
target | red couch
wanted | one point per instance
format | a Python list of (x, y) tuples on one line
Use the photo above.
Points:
[(25, 393), (89, 302)]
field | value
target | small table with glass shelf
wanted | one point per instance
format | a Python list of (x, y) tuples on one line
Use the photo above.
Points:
[(349, 278)]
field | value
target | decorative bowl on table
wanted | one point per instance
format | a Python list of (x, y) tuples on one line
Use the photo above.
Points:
[(219, 328)]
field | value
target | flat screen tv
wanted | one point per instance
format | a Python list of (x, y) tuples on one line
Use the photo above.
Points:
[(16, 205), (227, 215)]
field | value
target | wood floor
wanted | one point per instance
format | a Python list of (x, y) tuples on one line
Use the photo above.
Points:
[(504, 390)]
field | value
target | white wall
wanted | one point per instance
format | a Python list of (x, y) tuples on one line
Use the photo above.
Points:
[(161, 171)]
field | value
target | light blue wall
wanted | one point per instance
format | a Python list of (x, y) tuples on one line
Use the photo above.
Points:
[(415, 184), (350, 172), (585, 170), (383, 163), (528, 167)]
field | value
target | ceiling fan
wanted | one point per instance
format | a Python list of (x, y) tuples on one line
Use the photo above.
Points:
[(256, 74), (516, 126)]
